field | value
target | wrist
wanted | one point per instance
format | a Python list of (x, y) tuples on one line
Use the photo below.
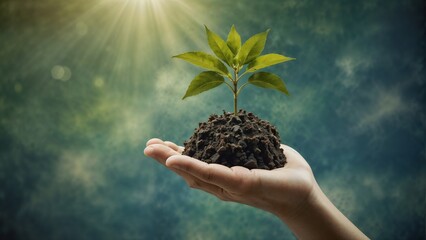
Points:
[(317, 218), (313, 201)]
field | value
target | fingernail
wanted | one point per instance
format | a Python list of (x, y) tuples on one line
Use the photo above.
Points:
[(173, 165), (148, 151)]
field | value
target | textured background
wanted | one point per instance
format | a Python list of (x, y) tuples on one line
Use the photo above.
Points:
[(85, 83)]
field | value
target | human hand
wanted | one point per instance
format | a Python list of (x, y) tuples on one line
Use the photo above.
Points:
[(281, 191), (290, 192)]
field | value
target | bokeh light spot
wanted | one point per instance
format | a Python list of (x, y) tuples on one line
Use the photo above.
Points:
[(18, 88), (98, 82), (61, 73)]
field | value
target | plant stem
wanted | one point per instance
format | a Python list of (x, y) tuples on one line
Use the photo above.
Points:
[(235, 100), (235, 91), (242, 86), (229, 86)]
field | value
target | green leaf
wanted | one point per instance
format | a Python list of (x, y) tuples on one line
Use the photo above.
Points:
[(234, 40), (204, 60), (266, 61), (219, 47), (268, 80), (252, 48), (203, 82)]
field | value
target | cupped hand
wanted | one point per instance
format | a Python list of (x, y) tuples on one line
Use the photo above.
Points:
[(282, 191)]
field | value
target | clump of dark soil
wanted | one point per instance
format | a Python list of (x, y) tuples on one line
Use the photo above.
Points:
[(242, 140)]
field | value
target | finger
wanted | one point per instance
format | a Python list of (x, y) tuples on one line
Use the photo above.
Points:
[(156, 151), (159, 152), (196, 183), (174, 146), (181, 149), (154, 141), (215, 174)]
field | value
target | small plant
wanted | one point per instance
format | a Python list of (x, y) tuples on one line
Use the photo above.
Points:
[(240, 138), (236, 57)]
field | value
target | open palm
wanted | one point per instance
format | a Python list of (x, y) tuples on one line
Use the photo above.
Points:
[(279, 191)]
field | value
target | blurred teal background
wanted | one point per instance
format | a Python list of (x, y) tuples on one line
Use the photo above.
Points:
[(85, 83)]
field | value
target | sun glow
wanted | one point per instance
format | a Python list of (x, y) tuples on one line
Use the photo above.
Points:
[(142, 34), (160, 24)]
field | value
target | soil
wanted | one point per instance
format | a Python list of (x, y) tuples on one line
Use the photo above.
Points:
[(241, 140)]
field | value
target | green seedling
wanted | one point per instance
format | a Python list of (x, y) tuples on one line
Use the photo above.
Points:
[(241, 59)]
